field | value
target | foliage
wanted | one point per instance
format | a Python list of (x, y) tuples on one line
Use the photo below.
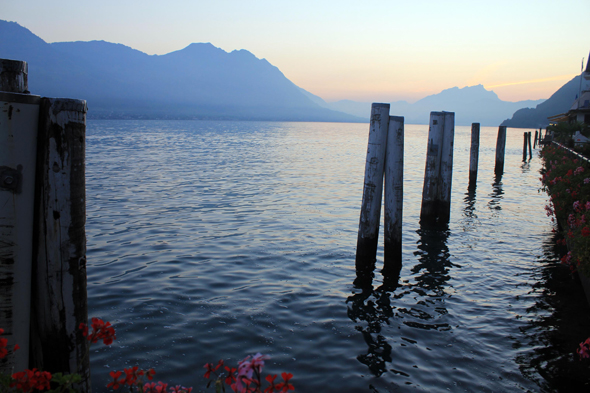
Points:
[(564, 131), (567, 183), (245, 379)]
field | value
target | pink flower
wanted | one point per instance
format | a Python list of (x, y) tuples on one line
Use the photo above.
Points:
[(587, 205), (584, 350), (587, 180), (578, 170)]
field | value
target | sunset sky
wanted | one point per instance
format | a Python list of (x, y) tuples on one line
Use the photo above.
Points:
[(363, 51)]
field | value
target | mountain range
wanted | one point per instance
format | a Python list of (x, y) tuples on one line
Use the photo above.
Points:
[(559, 102), (202, 81)]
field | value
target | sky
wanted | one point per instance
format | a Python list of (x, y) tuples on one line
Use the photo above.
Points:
[(369, 51)]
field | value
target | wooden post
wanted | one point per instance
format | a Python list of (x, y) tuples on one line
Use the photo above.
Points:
[(394, 194), (59, 296), (366, 248), (529, 134), (436, 193), (500, 151), (19, 114), (13, 76), (536, 139), (474, 157), (524, 146)]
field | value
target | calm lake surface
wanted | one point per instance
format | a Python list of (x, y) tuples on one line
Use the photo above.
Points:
[(214, 240)]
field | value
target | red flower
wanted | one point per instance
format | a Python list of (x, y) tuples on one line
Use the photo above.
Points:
[(231, 375), (115, 383), (100, 331), (271, 388), (585, 231), (285, 386)]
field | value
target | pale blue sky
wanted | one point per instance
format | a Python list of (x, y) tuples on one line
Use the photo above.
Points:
[(364, 51)]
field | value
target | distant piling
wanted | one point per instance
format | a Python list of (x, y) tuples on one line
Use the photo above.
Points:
[(524, 146), (394, 194), (500, 151), (474, 156), (366, 248), (536, 140), (436, 193)]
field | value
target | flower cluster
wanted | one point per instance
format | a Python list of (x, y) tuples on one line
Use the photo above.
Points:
[(100, 331), (29, 380), (568, 185), (584, 350), (247, 378), (4, 344)]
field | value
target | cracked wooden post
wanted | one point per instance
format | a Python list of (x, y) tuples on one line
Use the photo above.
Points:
[(14, 76), (19, 114), (394, 194), (438, 174), (500, 151), (366, 248), (59, 265), (474, 156)]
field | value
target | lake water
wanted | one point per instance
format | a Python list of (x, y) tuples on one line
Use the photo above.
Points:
[(213, 240)]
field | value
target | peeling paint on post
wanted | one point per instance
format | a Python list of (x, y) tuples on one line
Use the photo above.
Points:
[(474, 156), (500, 151), (59, 295), (14, 76), (394, 194), (366, 248), (438, 174), (18, 147)]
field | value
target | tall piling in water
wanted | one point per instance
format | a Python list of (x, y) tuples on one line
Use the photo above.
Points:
[(438, 174), (59, 295), (366, 248), (19, 113), (529, 135), (474, 155), (500, 151), (394, 194)]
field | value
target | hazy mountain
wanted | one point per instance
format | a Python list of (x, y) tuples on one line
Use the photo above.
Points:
[(199, 81), (472, 104), (560, 102)]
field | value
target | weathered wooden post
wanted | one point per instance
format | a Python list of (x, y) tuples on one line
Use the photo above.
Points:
[(59, 264), (366, 248), (438, 174), (14, 76), (500, 151), (525, 135), (394, 194), (530, 145), (18, 146), (536, 139), (474, 156)]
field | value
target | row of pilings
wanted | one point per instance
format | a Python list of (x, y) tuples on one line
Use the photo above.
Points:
[(384, 177)]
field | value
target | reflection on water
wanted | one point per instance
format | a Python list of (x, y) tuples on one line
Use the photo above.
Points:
[(374, 306), (497, 194), (559, 321)]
